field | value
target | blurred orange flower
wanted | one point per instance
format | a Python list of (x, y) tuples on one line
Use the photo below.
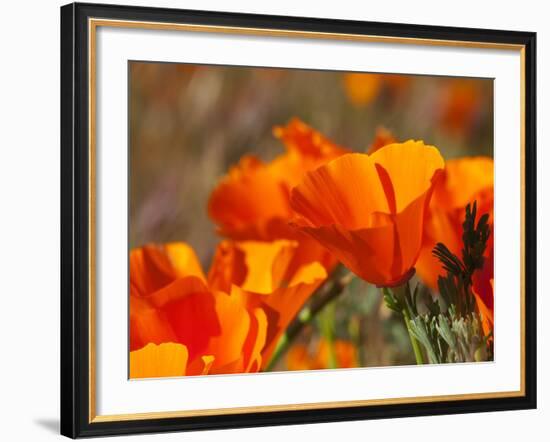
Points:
[(382, 137), (226, 323), (369, 210), (299, 358), (463, 181), (363, 88), (252, 201), (460, 104)]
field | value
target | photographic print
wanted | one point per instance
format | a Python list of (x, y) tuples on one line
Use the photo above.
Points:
[(289, 219)]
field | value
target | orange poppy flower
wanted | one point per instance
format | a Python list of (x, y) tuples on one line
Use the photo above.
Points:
[(299, 358), (226, 323), (369, 210), (263, 214), (170, 302), (464, 181), (274, 277), (245, 214)]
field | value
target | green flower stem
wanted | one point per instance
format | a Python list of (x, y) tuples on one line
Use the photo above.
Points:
[(414, 342), (329, 291), (400, 300)]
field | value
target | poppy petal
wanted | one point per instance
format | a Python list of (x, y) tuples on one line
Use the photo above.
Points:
[(366, 252), (344, 192), (463, 178), (148, 325), (184, 260), (297, 136), (228, 267), (188, 306), (234, 323), (241, 213), (155, 361), (154, 266), (411, 167), (267, 263), (252, 351)]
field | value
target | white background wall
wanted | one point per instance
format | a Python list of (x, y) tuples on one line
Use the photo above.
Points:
[(29, 219)]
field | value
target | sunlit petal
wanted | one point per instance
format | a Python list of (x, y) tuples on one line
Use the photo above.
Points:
[(154, 361)]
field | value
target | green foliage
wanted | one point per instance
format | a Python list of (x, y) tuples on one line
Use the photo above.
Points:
[(450, 329), (451, 338), (455, 286)]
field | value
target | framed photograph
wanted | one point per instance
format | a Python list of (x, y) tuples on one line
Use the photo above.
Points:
[(276, 220)]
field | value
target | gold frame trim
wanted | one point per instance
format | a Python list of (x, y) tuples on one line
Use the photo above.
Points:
[(93, 24)]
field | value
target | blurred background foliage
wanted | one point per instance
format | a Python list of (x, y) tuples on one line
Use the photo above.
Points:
[(190, 123)]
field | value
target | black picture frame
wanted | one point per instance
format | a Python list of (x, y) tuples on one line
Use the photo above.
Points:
[(75, 219)]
